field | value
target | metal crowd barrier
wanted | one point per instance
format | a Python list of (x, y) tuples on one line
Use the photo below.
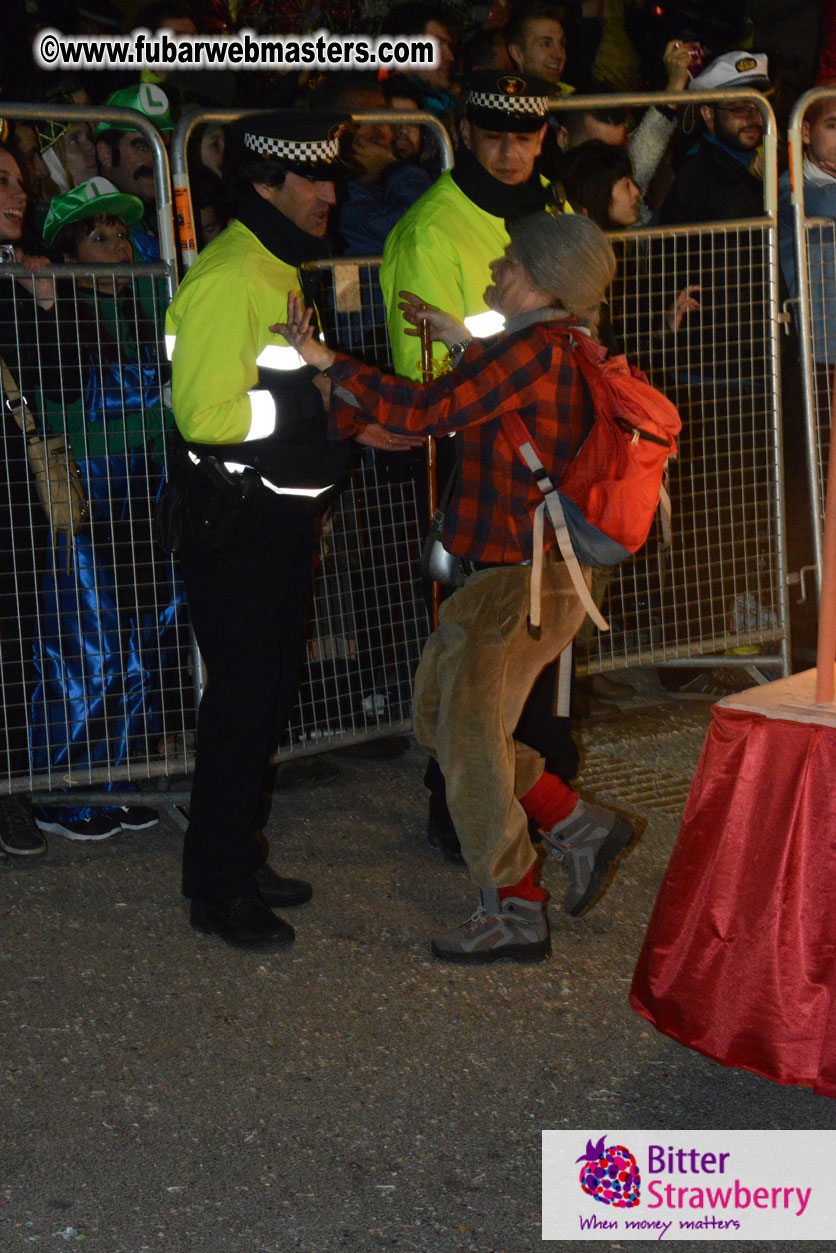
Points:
[(162, 181), (98, 670), (814, 307), (719, 591), (719, 588), (96, 664)]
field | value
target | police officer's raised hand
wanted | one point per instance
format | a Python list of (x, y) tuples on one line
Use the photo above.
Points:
[(299, 333), (445, 328)]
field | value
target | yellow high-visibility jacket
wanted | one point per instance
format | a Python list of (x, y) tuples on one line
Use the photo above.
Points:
[(218, 338), (440, 250)]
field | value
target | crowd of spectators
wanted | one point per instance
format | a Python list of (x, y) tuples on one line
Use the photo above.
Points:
[(579, 46), (662, 164)]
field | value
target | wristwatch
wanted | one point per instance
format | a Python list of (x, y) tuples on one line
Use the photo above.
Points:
[(456, 351)]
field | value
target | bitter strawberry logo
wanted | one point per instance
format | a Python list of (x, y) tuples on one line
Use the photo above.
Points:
[(610, 1174)]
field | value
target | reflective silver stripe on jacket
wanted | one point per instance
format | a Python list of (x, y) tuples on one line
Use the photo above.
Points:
[(236, 467)]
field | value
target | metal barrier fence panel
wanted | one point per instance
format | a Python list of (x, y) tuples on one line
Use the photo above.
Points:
[(128, 119), (97, 666), (96, 674), (814, 306), (369, 619), (820, 247), (720, 587)]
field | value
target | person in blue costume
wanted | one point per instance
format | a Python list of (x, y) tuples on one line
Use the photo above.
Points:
[(110, 605)]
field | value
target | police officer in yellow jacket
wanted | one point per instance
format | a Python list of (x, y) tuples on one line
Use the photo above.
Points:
[(444, 243), (255, 465)]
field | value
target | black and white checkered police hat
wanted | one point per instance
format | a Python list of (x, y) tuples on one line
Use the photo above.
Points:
[(307, 144), (507, 102)]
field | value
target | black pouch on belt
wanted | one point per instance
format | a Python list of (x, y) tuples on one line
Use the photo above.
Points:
[(171, 510), (223, 511)]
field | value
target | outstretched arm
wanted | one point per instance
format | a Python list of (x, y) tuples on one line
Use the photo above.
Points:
[(299, 332)]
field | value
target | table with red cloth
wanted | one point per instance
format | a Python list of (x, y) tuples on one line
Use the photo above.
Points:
[(739, 959)]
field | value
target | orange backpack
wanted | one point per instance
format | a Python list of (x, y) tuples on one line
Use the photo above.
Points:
[(603, 508)]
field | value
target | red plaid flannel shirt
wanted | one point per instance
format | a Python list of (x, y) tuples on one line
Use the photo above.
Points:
[(529, 372)]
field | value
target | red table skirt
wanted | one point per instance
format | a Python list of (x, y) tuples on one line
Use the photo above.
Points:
[(739, 959)]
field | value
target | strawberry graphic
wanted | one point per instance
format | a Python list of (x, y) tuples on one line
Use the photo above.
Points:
[(610, 1174)]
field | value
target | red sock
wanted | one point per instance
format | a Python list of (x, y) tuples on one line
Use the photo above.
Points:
[(527, 889), (549, 801)]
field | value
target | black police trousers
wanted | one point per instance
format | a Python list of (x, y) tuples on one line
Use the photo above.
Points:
[(248, 603)]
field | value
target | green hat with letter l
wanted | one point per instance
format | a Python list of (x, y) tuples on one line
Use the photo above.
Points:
[(145, 98), (92, 199)]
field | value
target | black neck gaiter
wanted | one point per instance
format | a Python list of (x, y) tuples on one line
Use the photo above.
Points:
[(284, 238), (500, 199)]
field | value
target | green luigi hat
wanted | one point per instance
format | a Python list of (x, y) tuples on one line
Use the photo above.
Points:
[(145, 98), (507, 102), (97, 196)]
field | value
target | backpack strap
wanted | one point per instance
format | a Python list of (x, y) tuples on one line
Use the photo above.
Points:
[(517, 432), (563, 705), (665, 512)]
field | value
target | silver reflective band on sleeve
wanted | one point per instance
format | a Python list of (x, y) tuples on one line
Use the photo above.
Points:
[(263, 409), (276, 357), (169, 345), (483, 324)]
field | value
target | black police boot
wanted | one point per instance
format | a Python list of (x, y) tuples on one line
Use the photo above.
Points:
[(278, 892), (244, 921)]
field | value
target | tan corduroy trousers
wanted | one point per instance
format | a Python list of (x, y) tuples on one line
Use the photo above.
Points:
[(475, 674)]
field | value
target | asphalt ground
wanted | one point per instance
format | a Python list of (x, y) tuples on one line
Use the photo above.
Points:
[(164, 1091)]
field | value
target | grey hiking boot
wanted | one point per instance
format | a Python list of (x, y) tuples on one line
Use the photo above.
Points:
[(589, 843), (510, 930)]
